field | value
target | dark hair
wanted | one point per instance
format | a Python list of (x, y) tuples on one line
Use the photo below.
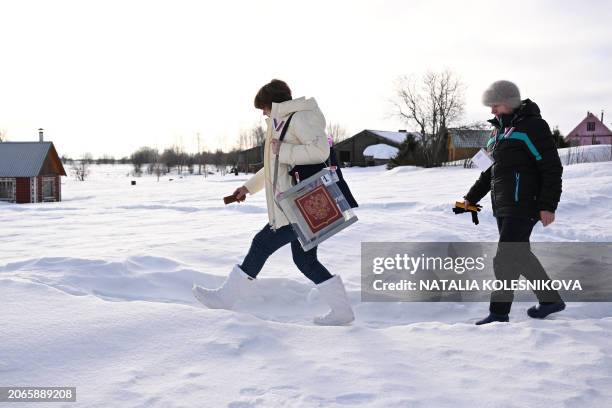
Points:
[(276, 91)]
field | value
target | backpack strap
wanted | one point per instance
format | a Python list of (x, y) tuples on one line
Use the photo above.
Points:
[(285, 128), (281, 138)]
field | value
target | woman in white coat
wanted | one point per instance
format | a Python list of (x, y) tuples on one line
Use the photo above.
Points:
[(305, 142)]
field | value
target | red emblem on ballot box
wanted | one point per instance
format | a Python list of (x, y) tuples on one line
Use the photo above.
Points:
[(318, 208)]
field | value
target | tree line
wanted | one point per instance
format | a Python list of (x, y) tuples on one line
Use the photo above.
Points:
[(175, 158), (150, 161)]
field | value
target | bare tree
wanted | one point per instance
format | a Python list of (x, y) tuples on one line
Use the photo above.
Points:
[(199, 157), (179, 149), (257, 135), (80, 168), (337, 132), (432, 103), (244, 140), (253, 137), (477, 125), (143, 156), (156, 166), (219, 161), (170, 158), (410, 103)]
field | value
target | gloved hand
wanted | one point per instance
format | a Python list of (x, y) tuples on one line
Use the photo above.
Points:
[(463, 207)]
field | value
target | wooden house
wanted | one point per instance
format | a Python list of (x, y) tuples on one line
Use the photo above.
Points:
[(590, 131), (354, 150), (30, 172), (465, 143)]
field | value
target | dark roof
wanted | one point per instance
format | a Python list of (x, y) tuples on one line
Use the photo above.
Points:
[(394, 139), (26, 159), (469, 138), (251, 149)]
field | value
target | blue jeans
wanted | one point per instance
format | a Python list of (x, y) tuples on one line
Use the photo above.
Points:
[(267, 241)]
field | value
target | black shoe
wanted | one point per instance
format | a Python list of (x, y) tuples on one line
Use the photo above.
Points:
[(493, 317), (541, 311)]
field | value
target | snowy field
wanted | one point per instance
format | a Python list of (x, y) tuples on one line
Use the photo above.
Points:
[(96, 293)]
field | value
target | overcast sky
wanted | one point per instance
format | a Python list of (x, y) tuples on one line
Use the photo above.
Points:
[(111, 76)]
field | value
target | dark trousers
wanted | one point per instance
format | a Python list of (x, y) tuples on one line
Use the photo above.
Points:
[(514, 258), (267, 241)]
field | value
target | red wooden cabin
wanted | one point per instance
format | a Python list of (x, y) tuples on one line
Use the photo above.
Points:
[(30, 172)]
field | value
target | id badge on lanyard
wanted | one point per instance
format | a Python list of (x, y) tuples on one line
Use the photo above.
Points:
[(483, 159)]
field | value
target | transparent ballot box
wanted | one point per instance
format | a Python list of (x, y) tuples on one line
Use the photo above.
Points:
[(316, 208)]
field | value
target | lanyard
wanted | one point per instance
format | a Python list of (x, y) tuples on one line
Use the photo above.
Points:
[(504, 136)]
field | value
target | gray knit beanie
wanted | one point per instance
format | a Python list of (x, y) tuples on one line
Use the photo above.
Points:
[(502, 92)]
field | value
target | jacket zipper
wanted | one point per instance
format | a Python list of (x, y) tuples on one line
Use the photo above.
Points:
[(517, 180)]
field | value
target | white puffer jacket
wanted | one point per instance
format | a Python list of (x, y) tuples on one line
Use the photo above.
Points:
[(305, 143)]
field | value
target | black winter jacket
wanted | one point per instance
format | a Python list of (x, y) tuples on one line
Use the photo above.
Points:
[(525, 177)]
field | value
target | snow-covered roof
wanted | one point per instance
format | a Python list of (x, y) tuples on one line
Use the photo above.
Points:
[(395, 137), (381, 151)]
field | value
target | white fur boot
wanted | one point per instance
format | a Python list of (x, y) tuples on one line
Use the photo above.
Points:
[(334, 294), (237, 285)]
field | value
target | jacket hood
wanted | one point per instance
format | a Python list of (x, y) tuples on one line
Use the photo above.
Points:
[(283, 109), (527, 109)]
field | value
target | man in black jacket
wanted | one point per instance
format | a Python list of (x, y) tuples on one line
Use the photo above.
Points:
[(525, 185)]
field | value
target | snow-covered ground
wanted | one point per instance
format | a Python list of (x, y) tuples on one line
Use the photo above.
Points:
[(96, 293)]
